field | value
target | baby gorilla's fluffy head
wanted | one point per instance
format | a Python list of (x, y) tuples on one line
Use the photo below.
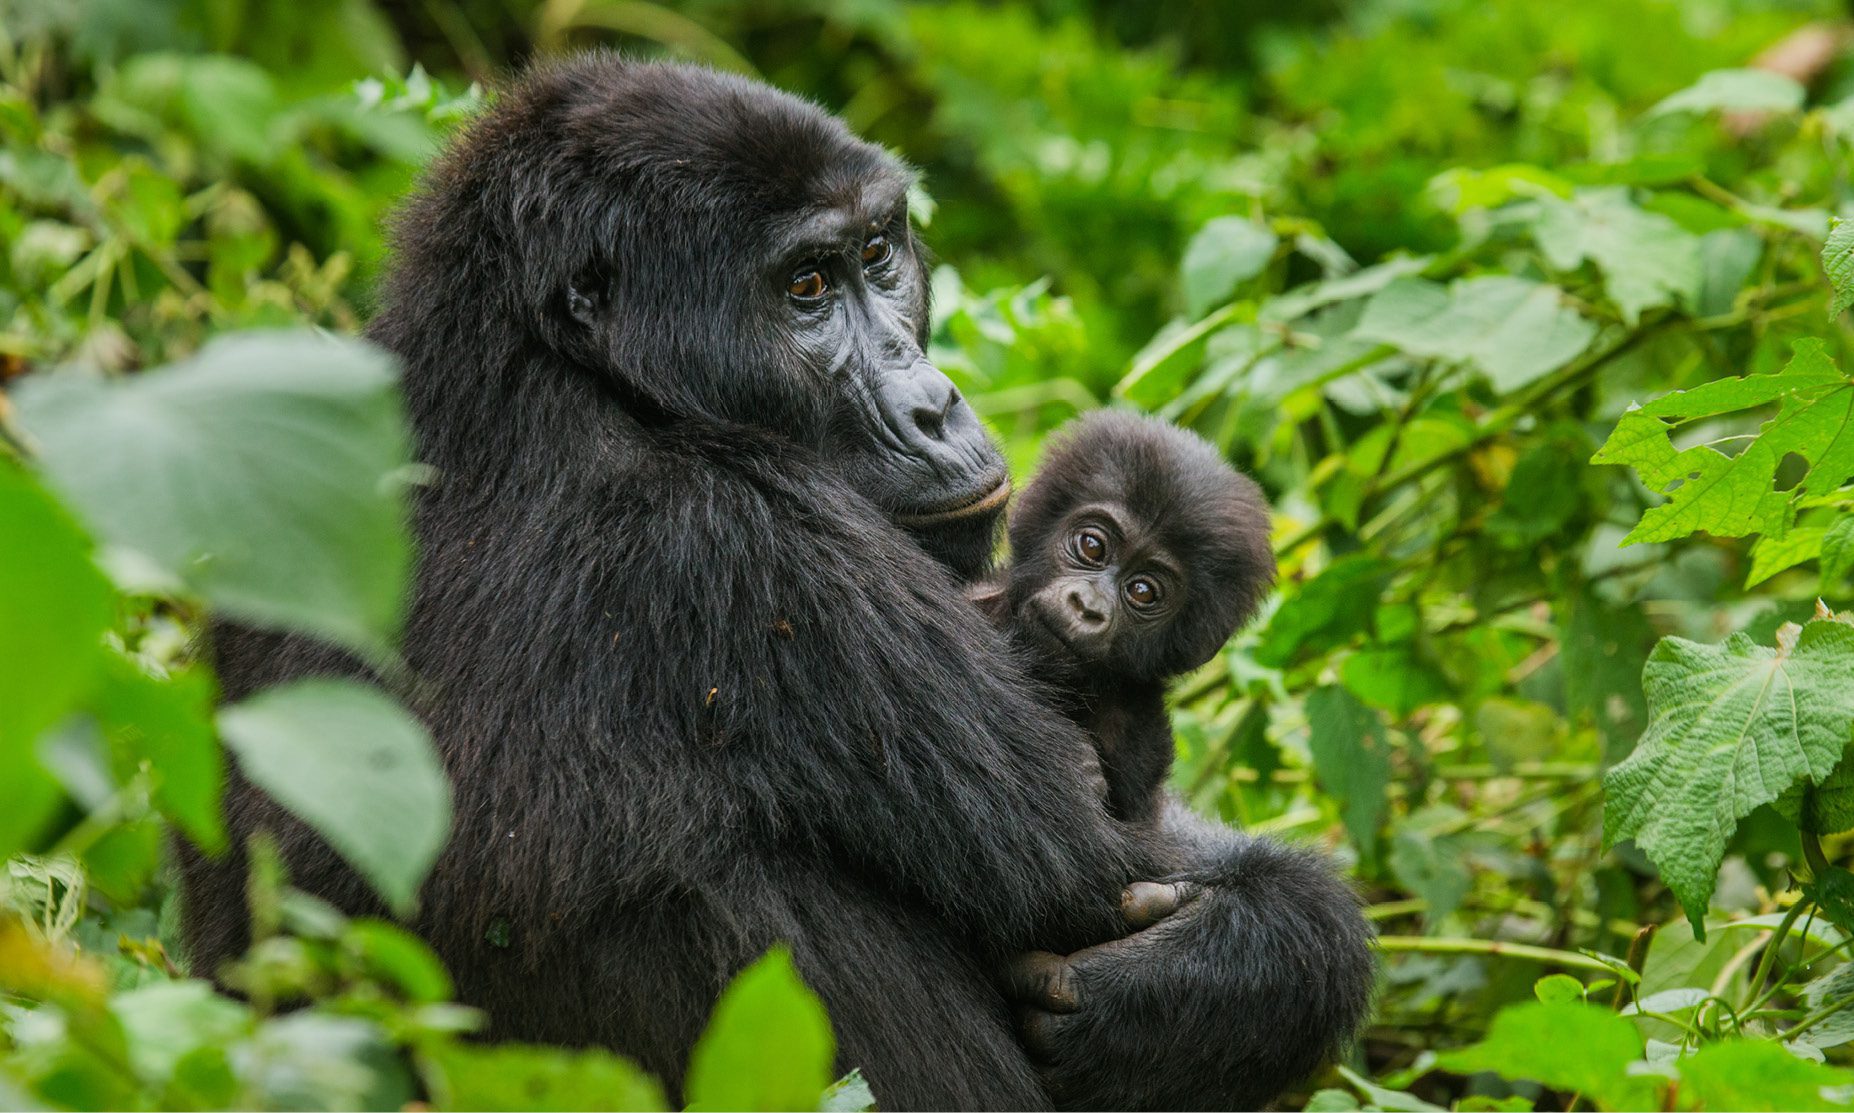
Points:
[(1136, 549)]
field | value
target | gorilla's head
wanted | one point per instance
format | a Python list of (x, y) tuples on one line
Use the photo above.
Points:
[(702, 248)]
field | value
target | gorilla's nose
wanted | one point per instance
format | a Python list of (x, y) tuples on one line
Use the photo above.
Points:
[(1087, 611), (934, 404)]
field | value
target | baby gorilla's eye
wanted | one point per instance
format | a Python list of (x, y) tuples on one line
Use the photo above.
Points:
[(1091, 546), (808, 285), (876, 251), (1142, 592)]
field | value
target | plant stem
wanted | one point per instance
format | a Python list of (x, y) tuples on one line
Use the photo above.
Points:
[(1771, 947), (1441, 945)]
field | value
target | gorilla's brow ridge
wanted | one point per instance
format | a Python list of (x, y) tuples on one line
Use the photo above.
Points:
[(830, 226)]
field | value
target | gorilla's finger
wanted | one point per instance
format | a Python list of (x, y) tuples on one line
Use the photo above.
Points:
[(1145, 903), (1043, 980), (1041, 1032)]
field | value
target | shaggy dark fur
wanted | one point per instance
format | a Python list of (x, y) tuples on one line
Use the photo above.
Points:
[(1135, 553), (697, 691)]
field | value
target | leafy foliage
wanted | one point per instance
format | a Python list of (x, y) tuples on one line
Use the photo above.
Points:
[(1409, 265)]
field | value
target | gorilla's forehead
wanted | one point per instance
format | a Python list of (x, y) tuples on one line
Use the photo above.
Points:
[(703, 139)]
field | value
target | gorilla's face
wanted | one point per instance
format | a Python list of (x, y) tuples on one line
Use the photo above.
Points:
[(752, 262), (850, 292)]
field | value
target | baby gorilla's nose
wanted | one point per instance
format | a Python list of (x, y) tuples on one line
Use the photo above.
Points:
[(1086, 610)]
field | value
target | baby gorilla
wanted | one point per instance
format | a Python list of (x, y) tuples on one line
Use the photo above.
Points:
[(1136, 552)]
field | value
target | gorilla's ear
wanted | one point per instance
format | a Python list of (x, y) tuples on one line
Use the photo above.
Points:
[(585, 299)]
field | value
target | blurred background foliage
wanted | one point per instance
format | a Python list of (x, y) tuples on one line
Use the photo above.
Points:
[(1407, 261)]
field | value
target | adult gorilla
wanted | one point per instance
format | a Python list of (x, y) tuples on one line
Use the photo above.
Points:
[(662, 332)]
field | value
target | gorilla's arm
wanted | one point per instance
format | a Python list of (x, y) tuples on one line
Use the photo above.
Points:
[(1256, 968)]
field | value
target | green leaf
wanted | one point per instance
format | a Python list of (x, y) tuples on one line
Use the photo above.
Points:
[(167, 723), (1327, 611), (1735, 90), (54, 608), (768, 1045), (1773, 554), (1225, 253), (1834, 987), (1838, 551), (1730, 496), (1757, 1075), (1821, 809), (399, 958), (1512, 329), (1646, 258), (1570, 1047), (1838, 262), (519, 1077), (1556, 989), (1832, 890), (1429, 858), (1351, 758), (1731, 727), (265, 474), (166, 1021), (347, 760)]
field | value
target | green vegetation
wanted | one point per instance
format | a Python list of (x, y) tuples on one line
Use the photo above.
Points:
[(1531, 318)]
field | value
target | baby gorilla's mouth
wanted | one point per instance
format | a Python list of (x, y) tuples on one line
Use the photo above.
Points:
[(983, 503)]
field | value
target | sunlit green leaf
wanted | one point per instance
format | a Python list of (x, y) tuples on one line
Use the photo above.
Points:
[(266, 474), (768, 1045), (1732, 726), (1737, 90), (513, 1077), (1512, 329), (54, 607), (1351, 757), (1731, 496), (1838, 261), (1757, 1076), (1570, 1047), (1647, 260), (1225, 253), (354, 765)]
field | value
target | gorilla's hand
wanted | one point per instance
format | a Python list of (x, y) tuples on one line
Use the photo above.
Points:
[(1232, 986)]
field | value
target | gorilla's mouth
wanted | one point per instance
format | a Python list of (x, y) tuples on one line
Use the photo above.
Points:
[(983, 503)]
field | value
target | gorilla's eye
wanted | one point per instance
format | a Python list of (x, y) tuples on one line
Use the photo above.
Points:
[(1090, 546), (876, 251), (1142, 592), (808, 285)]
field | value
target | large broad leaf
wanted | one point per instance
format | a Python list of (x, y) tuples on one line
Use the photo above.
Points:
[(54, 607), (1351, 757), (1574, 1048), (1225, 252), (1731, 727), (1743, 90), (1759, 1075), (768, 1045), (1646, 258), (263, 474), (354, 765), (1513, 329), (1730, 496), (1838, 261), (518, 1077)]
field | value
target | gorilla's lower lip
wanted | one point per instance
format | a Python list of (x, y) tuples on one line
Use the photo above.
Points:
[(983, 504)]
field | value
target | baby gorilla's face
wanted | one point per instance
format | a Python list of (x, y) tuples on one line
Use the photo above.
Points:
[(1109, 587)]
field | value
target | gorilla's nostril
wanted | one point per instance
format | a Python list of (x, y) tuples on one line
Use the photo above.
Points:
[(1084, 613), (930, 421)]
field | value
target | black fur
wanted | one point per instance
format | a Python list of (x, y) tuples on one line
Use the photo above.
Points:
[(1168, 514), (696, 691)]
